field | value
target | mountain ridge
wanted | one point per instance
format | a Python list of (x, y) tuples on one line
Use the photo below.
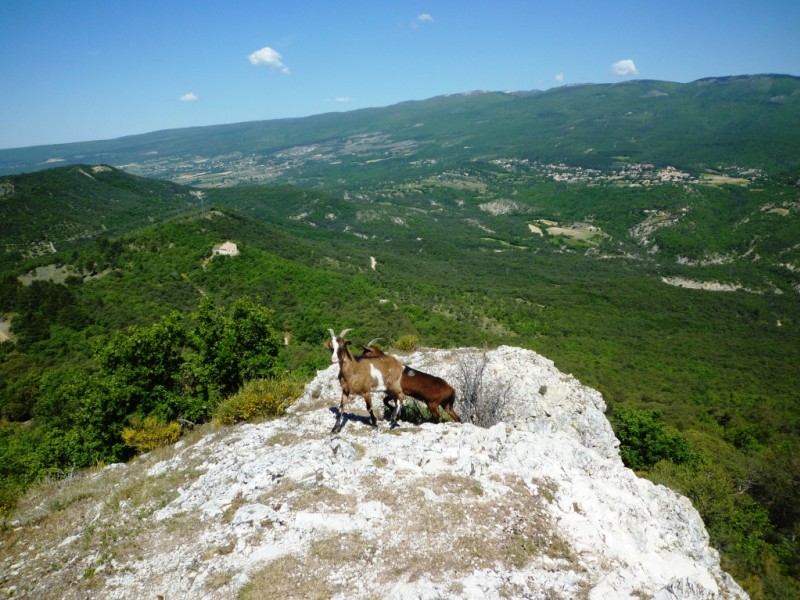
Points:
[(580, 127)]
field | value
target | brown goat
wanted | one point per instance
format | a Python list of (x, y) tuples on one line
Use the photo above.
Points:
[(364, 375), (434, 391)]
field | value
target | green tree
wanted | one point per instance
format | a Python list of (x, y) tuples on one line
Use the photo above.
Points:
[(143, 366), (644, 439), (232, 345), (9, 288), (738, 525), (777, 484), (42, 304)]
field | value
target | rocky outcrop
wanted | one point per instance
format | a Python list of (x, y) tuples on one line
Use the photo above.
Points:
[(538, 506)]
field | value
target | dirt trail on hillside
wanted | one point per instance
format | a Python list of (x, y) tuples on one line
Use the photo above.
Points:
[(5, 331)]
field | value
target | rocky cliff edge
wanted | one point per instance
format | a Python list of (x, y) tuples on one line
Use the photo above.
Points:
[(538, 506)]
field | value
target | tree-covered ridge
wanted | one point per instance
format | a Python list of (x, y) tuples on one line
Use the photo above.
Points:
[(739, 230), (735, 230), (62, 208)]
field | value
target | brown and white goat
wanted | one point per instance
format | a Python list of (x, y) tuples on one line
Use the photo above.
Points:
[(433, 391), (364, 375)]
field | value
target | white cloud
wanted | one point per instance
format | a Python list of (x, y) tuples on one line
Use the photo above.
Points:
[(343, 99), (190, 97), (560, 77), (424, 18), (270, 57), (624, 67)]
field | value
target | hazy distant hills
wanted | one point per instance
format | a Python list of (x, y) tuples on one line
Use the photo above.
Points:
[(751, 121)]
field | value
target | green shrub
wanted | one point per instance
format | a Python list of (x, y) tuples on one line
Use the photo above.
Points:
[(644, 440), (150, 433), (259, 399), (9, 495), (411, 412), (406, 343)]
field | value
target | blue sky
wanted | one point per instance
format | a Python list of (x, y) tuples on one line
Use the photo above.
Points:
[(75, 70)]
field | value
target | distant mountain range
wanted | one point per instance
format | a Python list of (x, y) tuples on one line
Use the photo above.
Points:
[(745, 121)]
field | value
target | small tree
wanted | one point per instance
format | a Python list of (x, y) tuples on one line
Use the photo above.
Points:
[(481, 401), (233, 345), (143, 365), (644, 440)]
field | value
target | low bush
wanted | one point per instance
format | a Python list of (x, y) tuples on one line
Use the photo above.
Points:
[(259, 399), (644, 439), (406, 343), (150, 433)]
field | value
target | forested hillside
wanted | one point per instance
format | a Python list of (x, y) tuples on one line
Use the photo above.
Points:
[(60, 209), (663, 273)]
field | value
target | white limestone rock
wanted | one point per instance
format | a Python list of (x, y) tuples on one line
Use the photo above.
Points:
[(538, 506)]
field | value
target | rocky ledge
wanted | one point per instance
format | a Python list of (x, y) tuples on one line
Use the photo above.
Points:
[(537, 506)]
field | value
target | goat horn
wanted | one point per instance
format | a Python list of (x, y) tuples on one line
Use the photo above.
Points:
[(373, 341), (345, 332), (333, 335)]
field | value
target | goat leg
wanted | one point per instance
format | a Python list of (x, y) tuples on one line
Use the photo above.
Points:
[(368, 399), (447, 405), (389, 401), (337, 427), (398, 402), (453, 414)]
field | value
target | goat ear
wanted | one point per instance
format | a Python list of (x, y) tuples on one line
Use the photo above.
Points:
[(328, 345)]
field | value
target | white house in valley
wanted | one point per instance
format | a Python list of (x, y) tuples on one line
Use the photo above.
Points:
[(228, 249)]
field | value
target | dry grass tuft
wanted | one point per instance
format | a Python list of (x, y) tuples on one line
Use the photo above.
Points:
[(304, 496), (284, 438), (322, 498), (286, 577), (332, 566)]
